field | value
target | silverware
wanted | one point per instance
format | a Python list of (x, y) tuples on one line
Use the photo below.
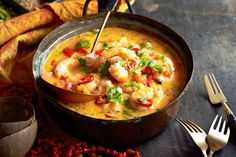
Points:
[(198, 134), (218, 136), (216, 96), (103, 26)]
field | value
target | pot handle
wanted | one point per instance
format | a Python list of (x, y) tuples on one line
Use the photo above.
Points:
[(105, 5)]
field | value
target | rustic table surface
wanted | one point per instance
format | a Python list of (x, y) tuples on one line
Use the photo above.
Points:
[(209, 28)]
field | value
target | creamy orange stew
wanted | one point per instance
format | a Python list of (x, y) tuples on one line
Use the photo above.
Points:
[(134, 72)]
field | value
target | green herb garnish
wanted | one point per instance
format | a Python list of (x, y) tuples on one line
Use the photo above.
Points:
[(144, 61), (106, 46), (82, 62), (141, 99), (162, 58), (131, 47), (127, 112), (132, 84), (157, 68), (104, 69), (147, 45), (84, 43), (114, 95), (126, 102)]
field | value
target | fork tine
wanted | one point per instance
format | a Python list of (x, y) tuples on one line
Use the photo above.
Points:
[(208, 85), (216, 83), (223, 127), (213, 123), (213, 84), (227, 132), (193, 128), (219, 123), (183, 124), (196, 126)]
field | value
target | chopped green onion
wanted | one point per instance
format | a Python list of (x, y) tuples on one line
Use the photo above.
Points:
[(84, 43), (126, 102), (140, 53), (151, 63), (127, 112), (104, 69), (162, 58), (141, 99), (114, 94), (134, 70), (106, 46), (147, 45), (132, 84), (143, 61), (82, 62), (157, 68), (131, 47)]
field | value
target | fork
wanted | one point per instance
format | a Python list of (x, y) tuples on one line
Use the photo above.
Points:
[(198, 134), (216, 96), (217, 136)]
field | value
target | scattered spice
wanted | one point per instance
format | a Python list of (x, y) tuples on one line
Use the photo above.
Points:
[(57, 147)]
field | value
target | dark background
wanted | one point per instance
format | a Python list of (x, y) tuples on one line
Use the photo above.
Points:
[(209, 28)]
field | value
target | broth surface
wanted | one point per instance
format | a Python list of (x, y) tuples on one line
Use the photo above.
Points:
[(135, 72)]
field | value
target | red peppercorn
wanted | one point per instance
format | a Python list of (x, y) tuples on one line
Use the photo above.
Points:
[(56, 155), (72, 147), (93, 148), (77, 152), (100, 148)]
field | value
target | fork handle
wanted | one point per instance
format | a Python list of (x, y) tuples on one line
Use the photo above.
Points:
[(230, 116), (204, 153), (210, 153)]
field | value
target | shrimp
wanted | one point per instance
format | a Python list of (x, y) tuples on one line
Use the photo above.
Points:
[(127, 53), (90, 87), (93, 61), (167, 71), (168, 68), (68, 68), (142, 99), (119, 72)]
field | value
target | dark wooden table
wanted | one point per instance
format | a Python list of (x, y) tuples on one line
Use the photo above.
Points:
[(209, 27)]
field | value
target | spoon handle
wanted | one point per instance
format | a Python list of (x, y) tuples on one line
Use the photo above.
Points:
[(230, 116)]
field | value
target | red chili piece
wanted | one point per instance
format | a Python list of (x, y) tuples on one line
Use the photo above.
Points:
[(82, 51), (86, 79), (136, 50), (101, 100), (108, 115), (147, 103), (148, 70), (68, 51), (98, 52)]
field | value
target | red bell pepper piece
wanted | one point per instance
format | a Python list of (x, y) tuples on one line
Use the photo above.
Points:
[(68, 51), (147, 103), (148, 70), (136, 50), (98, 52), (86, 79), (82, 51)]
